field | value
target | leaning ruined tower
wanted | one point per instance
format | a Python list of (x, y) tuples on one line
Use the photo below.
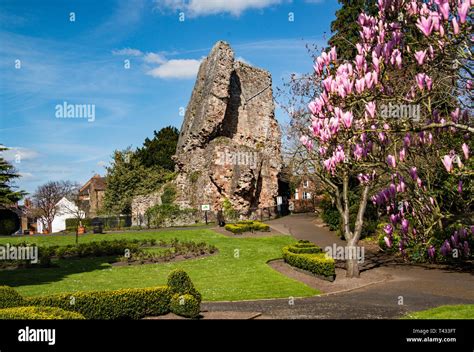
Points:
[(229, 144)]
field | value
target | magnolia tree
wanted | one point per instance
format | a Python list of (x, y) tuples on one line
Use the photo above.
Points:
[(394, 117)]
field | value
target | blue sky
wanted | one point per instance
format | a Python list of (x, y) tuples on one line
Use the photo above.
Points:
[(82, 62)]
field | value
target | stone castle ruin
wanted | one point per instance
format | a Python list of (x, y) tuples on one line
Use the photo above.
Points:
[(229, 145)]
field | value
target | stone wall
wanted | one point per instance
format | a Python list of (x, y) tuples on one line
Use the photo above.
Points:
[(140, 204)]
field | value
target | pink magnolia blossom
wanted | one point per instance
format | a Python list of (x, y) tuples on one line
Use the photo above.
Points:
[(420, 56), (391, 161), (360, 62), (431, 52), (347, 119), (441, 30), (370, 108), (413, 173), (358, 151), (407, 140), (396, 58), (370, 79), (463, 9), (448, 163), (402, 154), (460, 187), (360, 85), (455, 115), (314, 107), (431, 251), (388, 229), (429, 82), (422, 80), (435, 18), (465, 150), (425, 25), (444, 8), (455, 25), (405, 225)]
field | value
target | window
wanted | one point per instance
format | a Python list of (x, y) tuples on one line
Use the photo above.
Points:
[(305, 184), (296, 195), (306, 195)]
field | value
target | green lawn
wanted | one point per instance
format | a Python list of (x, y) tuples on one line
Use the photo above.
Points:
[(464, 311), (239, 271)]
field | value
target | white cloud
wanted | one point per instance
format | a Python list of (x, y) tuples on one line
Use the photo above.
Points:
[(18, 154), (181, 69), (211, 7), (27, 176), (127, 52), (101, 163), (241, 59), (154, 58)]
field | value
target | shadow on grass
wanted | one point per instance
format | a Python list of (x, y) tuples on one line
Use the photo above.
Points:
[(380, 259), (62, 269)]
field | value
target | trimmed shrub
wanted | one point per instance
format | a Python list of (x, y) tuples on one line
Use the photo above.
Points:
[(9, 297), (35, 313), (299, 250), (185, 305), (90, 249), (317, 263), (236, 229), (180, 282), (304, 246), (133, 303), (247, 225)]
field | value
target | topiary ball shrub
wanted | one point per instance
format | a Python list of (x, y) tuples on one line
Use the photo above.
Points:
[(185, 305), (10, 298), (179, 282)]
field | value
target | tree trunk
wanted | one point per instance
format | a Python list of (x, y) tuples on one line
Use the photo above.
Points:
[(50, 227), (352, 267)]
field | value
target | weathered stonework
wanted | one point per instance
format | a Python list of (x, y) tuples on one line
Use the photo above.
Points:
[(229, 145), (140, 204)]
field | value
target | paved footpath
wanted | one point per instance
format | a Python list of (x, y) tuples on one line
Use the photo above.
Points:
[(409, 288)]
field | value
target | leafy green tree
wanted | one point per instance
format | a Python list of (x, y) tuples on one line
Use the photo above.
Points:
[(7, 174), (345, 28), (160, 149), (128, 177)]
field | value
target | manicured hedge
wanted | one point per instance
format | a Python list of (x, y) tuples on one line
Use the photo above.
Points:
[(317, 263), (246, 226), (132, 303), (185, 305), (72, 224), (41, 313), (9, 297), (91, 249)]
